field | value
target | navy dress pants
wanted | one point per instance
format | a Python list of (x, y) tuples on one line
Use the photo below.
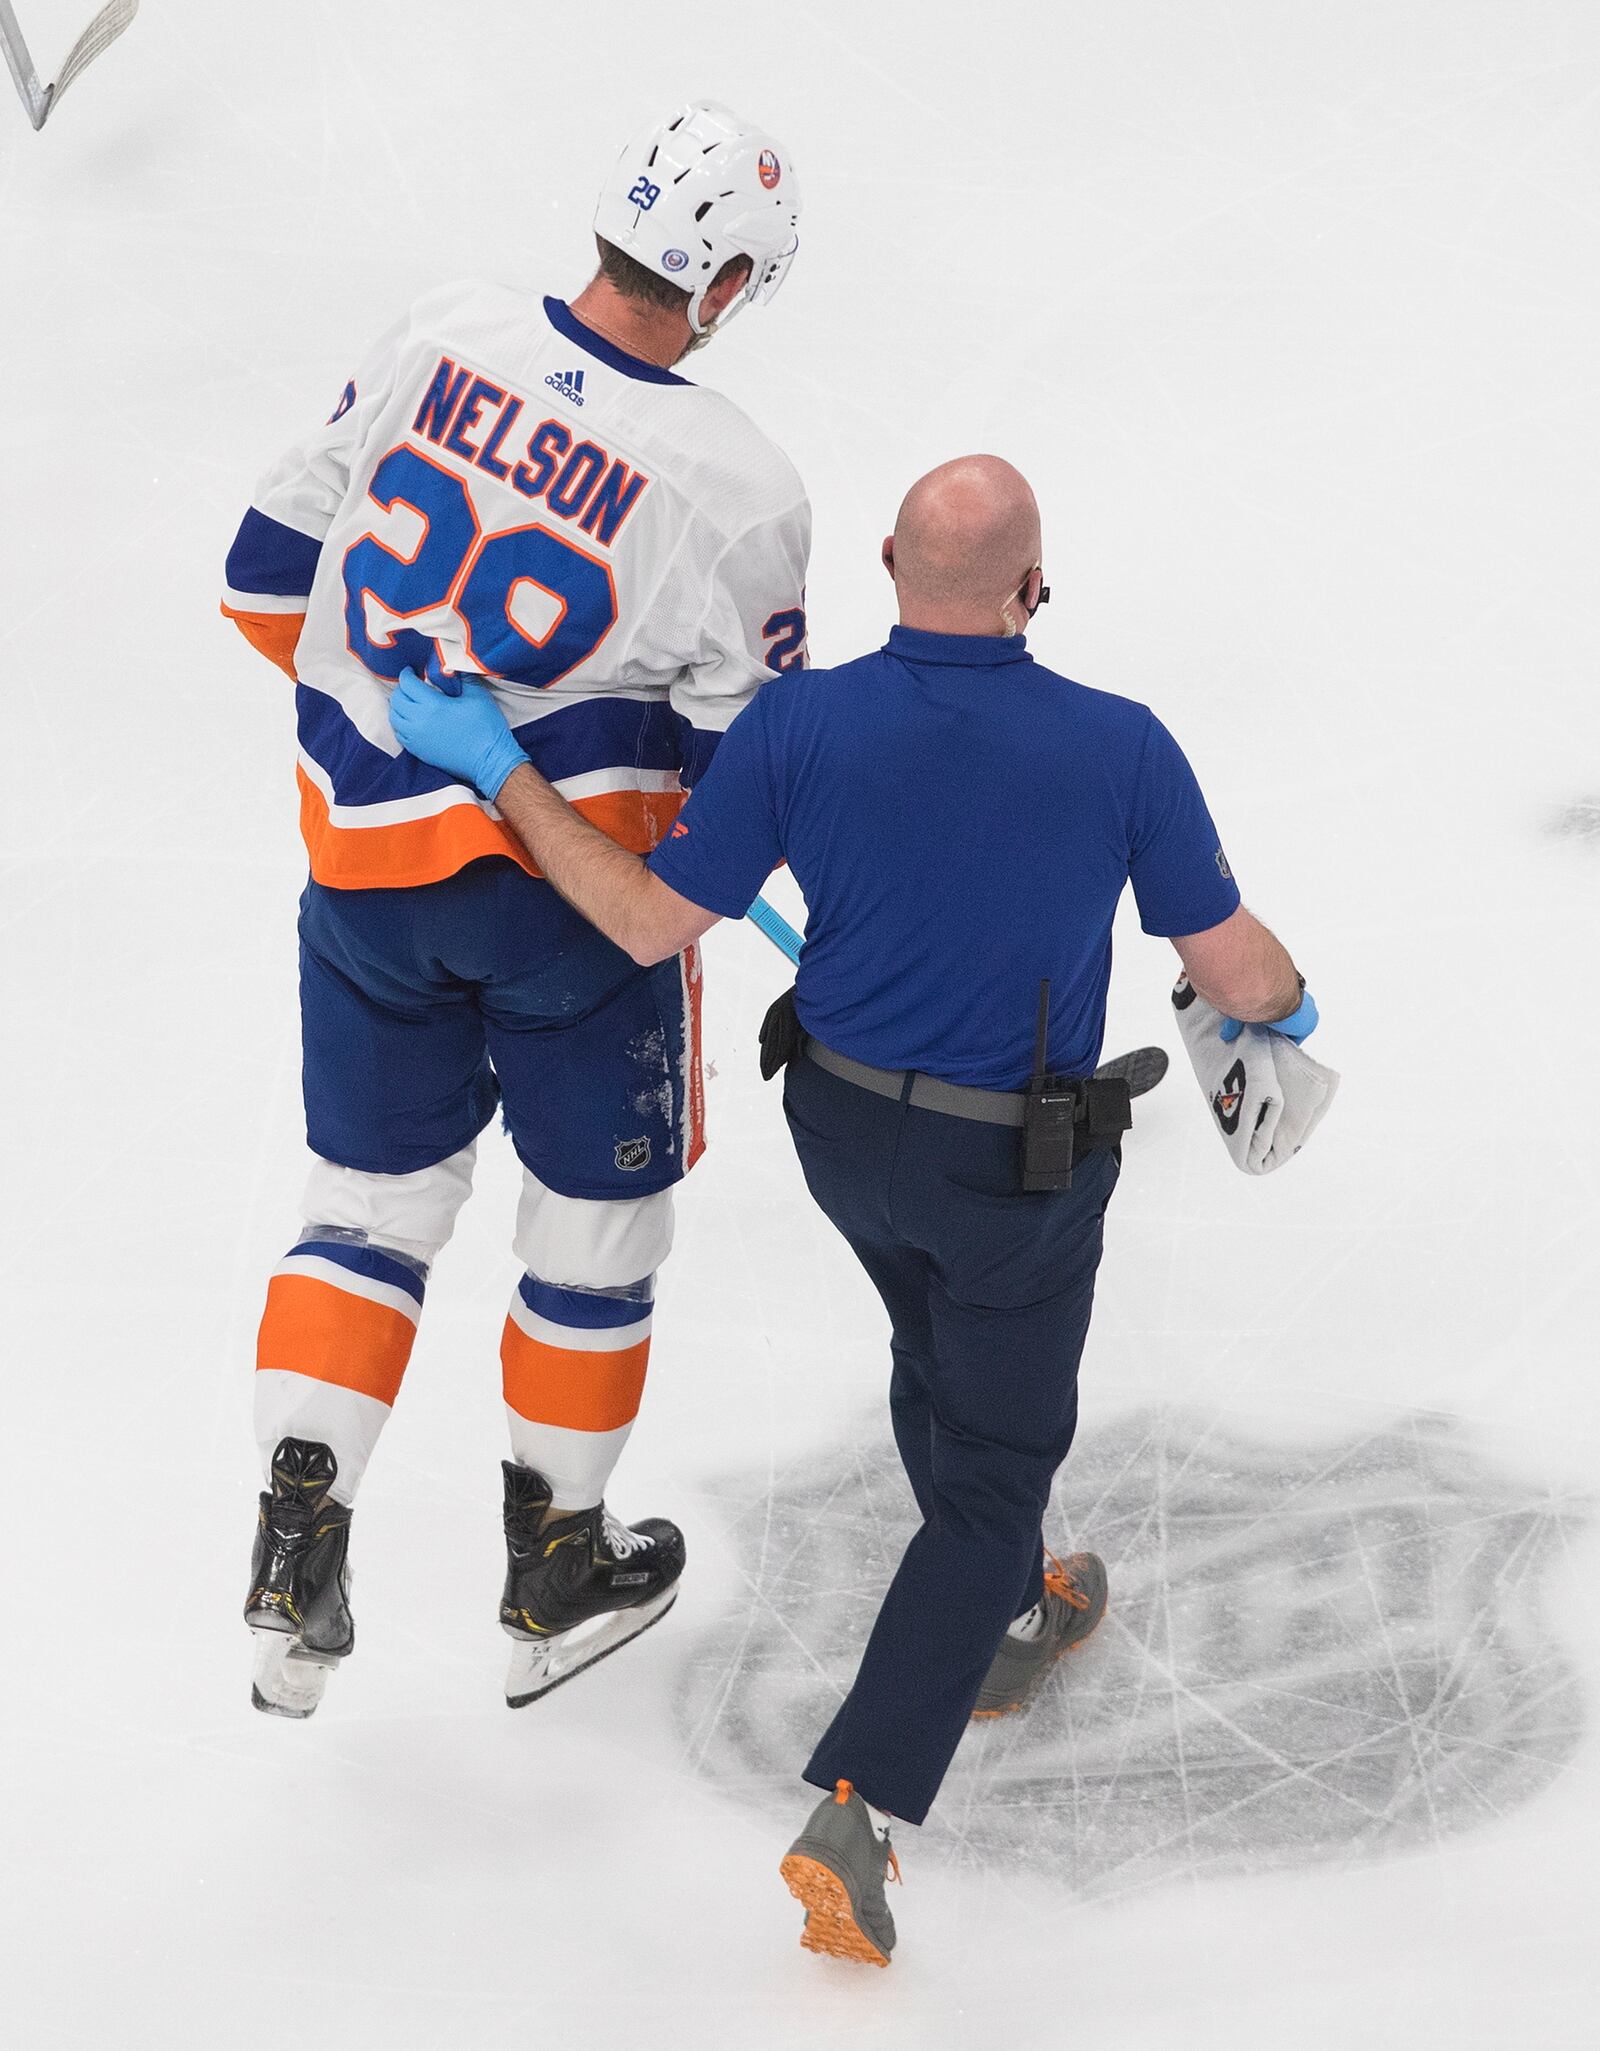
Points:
[(988, 1291)]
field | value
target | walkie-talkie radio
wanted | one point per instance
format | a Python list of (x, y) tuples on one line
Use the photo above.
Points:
[(1049, 1115), (1054, 1108)]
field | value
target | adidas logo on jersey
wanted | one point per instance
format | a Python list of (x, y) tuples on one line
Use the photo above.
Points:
[(569, 383)]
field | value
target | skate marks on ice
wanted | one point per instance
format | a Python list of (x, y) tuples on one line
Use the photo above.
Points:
[(1313, 1653), (1579, 821)]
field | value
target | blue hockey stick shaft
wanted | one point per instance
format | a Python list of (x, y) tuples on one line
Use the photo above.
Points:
[(776, 927)]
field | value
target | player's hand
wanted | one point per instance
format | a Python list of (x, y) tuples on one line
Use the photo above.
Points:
[(465, 734), (1299, 1025)]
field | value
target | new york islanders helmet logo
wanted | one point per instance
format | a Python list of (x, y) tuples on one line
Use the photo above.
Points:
[(768, 169)]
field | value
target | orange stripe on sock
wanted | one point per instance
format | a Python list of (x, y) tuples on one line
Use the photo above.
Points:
[(579, 1391), (312, 1328)]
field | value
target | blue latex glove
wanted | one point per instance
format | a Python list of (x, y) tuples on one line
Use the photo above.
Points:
[(465, 734), (1299, 1025)]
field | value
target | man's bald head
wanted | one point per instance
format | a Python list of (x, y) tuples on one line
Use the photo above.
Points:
[(965, 540)]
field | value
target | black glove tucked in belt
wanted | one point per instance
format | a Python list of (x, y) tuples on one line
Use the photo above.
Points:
[(782, 1035)]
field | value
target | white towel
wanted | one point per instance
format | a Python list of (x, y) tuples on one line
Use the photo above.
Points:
[(1267, 1096)]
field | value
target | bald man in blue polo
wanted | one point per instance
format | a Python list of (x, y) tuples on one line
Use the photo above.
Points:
[(961, 822)]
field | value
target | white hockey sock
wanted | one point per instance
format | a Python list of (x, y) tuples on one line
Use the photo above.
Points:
[(573, 1362), (335, 1337), (881, 1819)]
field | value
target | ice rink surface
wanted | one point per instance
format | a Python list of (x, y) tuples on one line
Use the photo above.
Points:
[(1289, 311)]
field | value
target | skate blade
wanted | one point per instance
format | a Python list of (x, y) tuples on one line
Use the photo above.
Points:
[(831, 1928), (540, 1664), (286, 1681)]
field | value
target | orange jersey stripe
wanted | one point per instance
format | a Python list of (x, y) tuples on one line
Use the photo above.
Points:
[(272, 634), (396, 857), (635, 819), (309, 1327), (579, 1391), (427, 850)]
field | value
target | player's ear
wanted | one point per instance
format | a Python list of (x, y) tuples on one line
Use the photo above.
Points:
[(730, 282), (888, 553)]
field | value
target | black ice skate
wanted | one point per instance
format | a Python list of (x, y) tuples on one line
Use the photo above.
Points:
[(299, 1601), (578, 1587)]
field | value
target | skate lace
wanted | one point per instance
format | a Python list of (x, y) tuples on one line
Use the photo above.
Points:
[(289, 1525), (1059, 1581), (842, 1791), (621, 1541)]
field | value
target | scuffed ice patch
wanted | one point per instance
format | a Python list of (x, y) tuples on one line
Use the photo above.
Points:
[(1579, 821), (1313, 1653)]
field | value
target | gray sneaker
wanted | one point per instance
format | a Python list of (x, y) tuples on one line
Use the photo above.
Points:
[(836, 1868), (1074, 1603)]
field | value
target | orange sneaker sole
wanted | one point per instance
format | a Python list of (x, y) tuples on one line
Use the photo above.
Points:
[(831, 1927), (1016, 1708)]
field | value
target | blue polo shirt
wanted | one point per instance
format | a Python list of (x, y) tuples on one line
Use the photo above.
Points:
[(961, 822)]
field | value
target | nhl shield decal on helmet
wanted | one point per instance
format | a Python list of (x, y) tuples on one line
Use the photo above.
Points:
[(1229, 1100), (768, 169)]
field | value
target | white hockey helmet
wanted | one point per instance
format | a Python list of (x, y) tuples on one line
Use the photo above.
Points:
[(697, 189)]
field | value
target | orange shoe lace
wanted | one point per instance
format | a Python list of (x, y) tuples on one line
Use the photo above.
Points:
[(1060, 1582), (842, 1791)]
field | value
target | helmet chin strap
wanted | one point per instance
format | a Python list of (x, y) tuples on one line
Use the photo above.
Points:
[(705, 329)]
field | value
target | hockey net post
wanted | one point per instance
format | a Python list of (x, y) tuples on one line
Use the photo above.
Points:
[(102, 32)]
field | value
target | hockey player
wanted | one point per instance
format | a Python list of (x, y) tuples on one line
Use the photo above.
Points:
[(529, 491)]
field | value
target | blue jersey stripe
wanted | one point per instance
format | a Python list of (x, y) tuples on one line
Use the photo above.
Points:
[(596, 733), (360, 773), (585, 1311), (271, 559), (601, 733), (696, 746)]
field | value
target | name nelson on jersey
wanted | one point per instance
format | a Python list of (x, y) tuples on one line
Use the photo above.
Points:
[(369, 547), (474, 418)]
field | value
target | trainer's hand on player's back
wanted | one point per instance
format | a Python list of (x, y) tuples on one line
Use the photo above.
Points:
[(466, 734)]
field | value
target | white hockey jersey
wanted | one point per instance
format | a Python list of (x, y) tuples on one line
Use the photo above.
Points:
[(501, 489)]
